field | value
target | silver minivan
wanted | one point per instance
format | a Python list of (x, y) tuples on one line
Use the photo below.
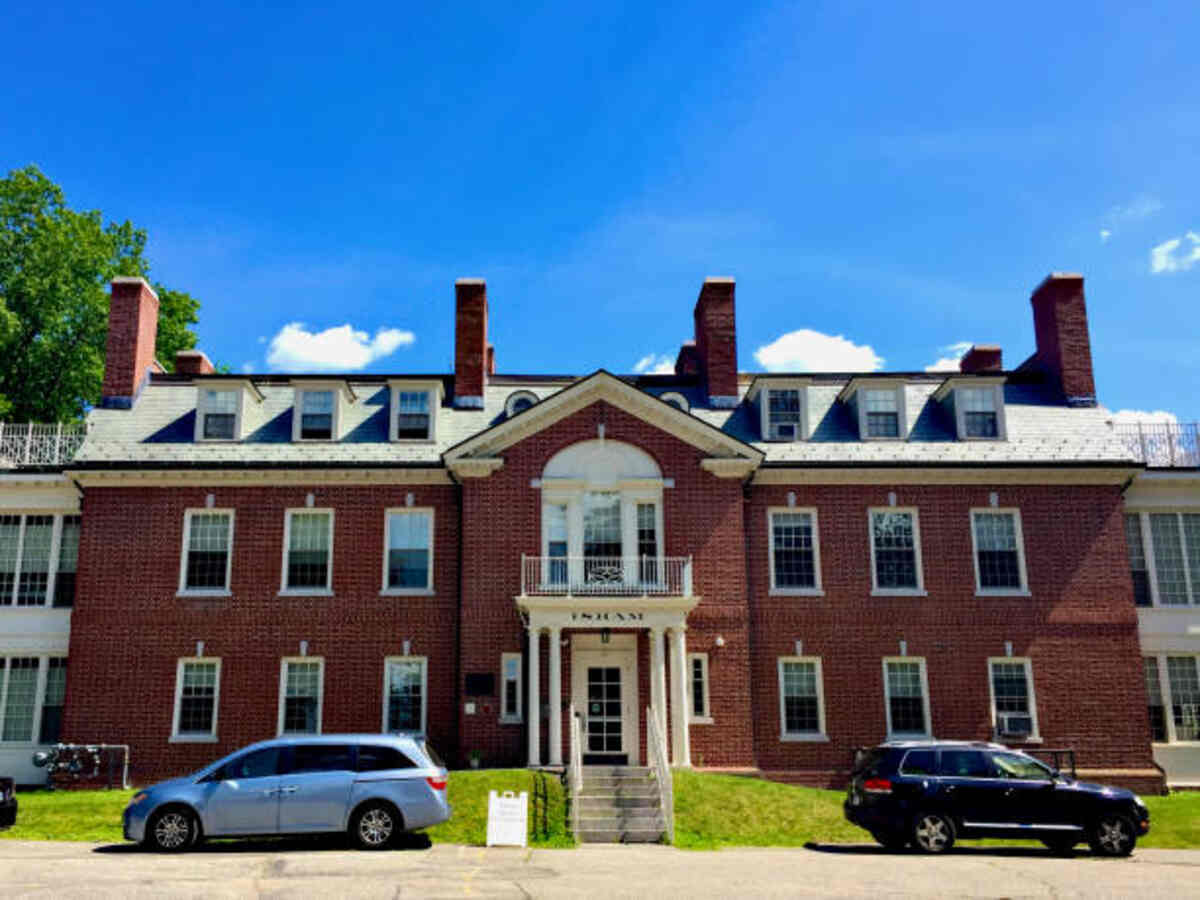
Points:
[(371, 786)]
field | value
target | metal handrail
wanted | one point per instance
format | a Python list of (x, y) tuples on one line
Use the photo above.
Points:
[(656, 746), (575, 769), (39, 444), (1162, 445), (622, 576)]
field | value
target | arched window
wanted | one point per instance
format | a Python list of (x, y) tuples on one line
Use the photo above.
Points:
[(518, 402)]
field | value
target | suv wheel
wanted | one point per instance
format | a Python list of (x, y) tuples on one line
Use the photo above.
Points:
[(933, 833), (1112, 835), (375, 825), (171, 830)]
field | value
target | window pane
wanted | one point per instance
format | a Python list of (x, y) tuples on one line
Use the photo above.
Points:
[(1011, 688), (68, 562), (698, 709), (220, 401), (197, 698), (895, 550), (412, 414), (1191, 533), (965, 764), (905, 698), (409, 537), (979, 411), (22, 693), (1137, 560), (405, 690), (647, 538), (801, 710), (996, 546), (302, 697), (783, 413), (1168, 559), (556, 542), (1154, 701), (602, 536), (316, 415), (220, 414), (919, 762), (35, 561), (259, 764), (208, 551), (512, 686), (792, 545), (881, 401), (320, 758), (308, 550), (1185, 696), (380, 759), (10, 536), (52, 701)]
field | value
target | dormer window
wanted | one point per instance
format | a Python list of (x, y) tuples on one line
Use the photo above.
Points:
[(518, 402), (783, 409), (316, 415), (226, 409), (218, 415), (977, 406), (883, 413), (980, 419), (878, 404), (414, 410)]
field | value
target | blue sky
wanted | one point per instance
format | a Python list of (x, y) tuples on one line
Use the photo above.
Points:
[(899, 178)]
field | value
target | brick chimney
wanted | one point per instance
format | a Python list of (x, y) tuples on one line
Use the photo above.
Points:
[(132, 330), (982, 358), (688, 360), (193, 362), (1064, 349), (491, 360), (716, 341), (470, 342)]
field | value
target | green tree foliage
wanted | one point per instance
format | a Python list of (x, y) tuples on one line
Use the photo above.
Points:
[(55, 269)]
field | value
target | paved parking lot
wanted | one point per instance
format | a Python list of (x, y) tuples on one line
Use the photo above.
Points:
[(303, 869)]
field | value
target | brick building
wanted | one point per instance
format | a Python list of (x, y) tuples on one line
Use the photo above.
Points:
[(780, 567)]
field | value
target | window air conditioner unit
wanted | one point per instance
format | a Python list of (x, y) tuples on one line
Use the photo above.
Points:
[(1018, 725), (783, 431)]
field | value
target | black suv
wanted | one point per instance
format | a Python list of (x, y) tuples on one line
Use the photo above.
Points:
[(927, 793)]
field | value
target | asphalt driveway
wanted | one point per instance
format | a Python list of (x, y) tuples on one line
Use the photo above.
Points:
[(306, 869)]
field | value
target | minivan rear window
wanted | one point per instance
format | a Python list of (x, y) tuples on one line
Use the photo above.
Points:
[(320, 758), (433, 755), (374, 758)]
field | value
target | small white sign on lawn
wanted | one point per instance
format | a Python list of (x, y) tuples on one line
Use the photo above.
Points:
[(508, 819)]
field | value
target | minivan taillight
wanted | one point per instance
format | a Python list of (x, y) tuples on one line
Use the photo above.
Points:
[(877, 786), (438, 784)]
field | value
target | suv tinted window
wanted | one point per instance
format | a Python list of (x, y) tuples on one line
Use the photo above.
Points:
[(867, 761), (378, 759), (1014, 765), (919, 762), (258, 764), (320, 758), (965, 764)]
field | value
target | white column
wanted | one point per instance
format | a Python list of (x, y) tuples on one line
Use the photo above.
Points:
[(556, 753), (534, 707), (681, 754), (658, 680)]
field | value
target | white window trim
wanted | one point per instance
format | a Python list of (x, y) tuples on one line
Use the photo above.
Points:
[(55, 554), (817, 590), (184, 590), (860, 398), (1164, 687), (631, 493), (876, 590), (284, 590), (338, 389), (519, 716), (424, 661), (706, 718), (283, 667), (386, 591), (1148, 551), (433, 389), (238, 417), (195, 737), (668, 396), (887, 698), (1019, 533), (764, 410), (514, 397), (960, 416), (1035, 736), (39, 699), (786, 736)]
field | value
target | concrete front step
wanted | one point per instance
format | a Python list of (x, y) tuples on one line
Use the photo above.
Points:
[(618, 783), (621, 836), (601, 802), (610, 771)]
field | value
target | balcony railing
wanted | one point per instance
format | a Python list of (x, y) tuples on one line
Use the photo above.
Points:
[(24, 444), (611, 576), (1169, 445)]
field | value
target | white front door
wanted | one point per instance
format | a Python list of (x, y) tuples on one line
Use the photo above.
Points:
[(605, 693)]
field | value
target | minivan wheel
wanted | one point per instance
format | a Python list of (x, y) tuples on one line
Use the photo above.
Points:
[(933, 833), (374, 826), (1112, 835), (171, 830), (890, 840)]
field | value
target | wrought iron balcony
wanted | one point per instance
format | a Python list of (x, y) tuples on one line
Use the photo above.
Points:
[(610, 576), (28, 444), (1169, 445)]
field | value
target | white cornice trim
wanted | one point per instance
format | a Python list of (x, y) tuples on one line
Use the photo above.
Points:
[(603, 386), (472, 467), (729, 468), (982, 475), (256, 477)]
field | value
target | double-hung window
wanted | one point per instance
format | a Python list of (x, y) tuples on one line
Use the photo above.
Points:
[(31, 698), (301, 689), (404, 694), (801, 700), (197, 693), (999, 551), (784, 414), (1014, 713), (218, 414), (980, 419), (308, 551), (1164, 557), (883, 412), (906, 693), (510, 690), (408, 566), (698, 709), (896, 551), (207, 551), (412, 415), (794, 552), (38, 556), (317, 415), (1154, 700), (602, 536), (1173, 697), (1138, 570), (647, 543)]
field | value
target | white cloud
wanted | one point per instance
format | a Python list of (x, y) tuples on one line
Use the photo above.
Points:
[(247, 367), (1163, 258), (650, 364), (811, 351), (338, 349), (949, 363), (1157, 417), (1105, 234), (1141, 208)]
